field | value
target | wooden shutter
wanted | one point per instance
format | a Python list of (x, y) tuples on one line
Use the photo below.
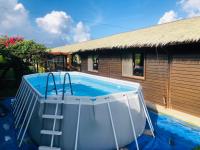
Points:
[(90, 63), (127, 65)]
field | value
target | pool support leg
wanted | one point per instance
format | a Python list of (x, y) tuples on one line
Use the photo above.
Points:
[(132, 124), (111, 120), (17, 121), (17, 94), (146, 111), (18, 99), (77, 126)]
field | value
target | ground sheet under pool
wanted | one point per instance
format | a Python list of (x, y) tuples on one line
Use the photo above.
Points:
[(171, 134)]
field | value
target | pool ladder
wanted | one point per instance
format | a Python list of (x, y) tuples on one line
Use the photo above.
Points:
[(56, 116)]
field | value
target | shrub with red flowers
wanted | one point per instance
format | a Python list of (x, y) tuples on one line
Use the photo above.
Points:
[(27, 50), (6, 41), (12, 40), (22, 54)]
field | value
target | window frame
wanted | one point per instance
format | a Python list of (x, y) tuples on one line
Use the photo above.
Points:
[(144, 70)]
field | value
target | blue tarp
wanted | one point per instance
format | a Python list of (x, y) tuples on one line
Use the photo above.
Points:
[(171, 134), (8, 133)]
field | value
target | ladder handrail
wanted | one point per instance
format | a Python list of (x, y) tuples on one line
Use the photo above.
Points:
[(50, 73), (70, 84)]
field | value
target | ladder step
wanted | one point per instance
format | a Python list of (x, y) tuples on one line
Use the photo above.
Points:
[(52, 116), (49, 132), (48, 148), (53, 101)]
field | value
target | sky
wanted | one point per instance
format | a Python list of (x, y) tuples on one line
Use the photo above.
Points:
[(61, 22)]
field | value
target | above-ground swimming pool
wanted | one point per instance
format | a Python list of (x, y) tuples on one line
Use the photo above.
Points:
[(94, 112)]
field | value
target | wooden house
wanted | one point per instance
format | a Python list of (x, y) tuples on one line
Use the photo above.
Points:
[(165, 59)]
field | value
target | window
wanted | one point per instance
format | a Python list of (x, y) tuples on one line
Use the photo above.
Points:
[(93, 63), (138, 64), (56, 63), (76, 60), (133, 64)]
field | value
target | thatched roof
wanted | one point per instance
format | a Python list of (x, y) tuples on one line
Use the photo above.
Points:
[(181, 31)]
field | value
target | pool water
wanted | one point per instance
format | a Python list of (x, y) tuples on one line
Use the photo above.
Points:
[(81, 86), (82, 90), (171, 134)]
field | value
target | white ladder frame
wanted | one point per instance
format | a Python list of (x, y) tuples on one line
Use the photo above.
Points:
[(54, 124)]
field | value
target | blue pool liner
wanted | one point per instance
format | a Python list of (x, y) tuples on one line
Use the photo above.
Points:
[(170, 134)]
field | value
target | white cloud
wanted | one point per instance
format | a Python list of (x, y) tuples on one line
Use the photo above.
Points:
[(168, 17), (81, 33), (191, 7), (53, 29), (59, 24), (188, 8), (55, 22), (19, 7), (13, 16)]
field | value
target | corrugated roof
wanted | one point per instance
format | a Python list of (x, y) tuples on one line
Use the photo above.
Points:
[(181, 31)]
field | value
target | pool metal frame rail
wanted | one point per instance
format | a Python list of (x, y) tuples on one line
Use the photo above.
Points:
[(24, 106), (141, 99), (23, 96), (21, 102)]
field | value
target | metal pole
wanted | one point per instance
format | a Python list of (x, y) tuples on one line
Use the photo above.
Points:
[(146, 112), (70, 84), (29, 107), (18, 100), (48, 83), (28, 120), (54, 124), (17, 94), (113, 127), (144, 105), (23, 108), (132, 124), (15, 112), (78, 122)]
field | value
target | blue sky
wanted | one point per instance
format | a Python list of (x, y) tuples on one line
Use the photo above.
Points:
[(56, 23)]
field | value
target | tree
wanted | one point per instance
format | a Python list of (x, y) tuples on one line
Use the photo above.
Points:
[(20, 54)]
